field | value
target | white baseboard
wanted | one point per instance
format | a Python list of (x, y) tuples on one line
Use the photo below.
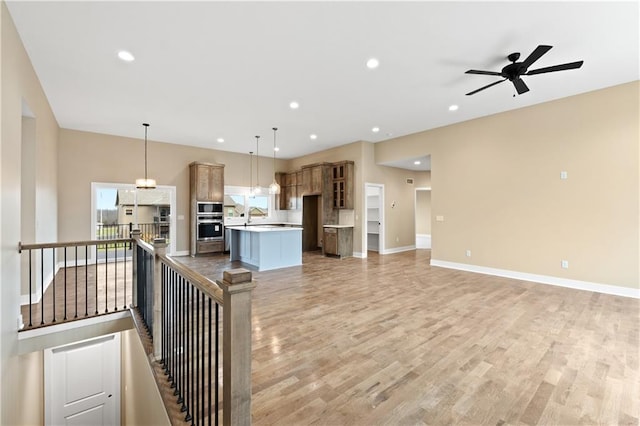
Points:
[(398, 249), (423, 241), (359, 254), (181, 253), (542, 279)]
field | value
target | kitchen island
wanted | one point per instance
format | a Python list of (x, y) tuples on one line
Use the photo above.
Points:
[(266, 246)]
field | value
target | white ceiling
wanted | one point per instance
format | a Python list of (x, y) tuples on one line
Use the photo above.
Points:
[(208, 70)]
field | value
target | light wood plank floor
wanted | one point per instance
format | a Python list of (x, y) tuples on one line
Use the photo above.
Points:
[(389, 340)]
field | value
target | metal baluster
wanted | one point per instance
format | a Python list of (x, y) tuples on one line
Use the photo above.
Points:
[(65, 284), (180, 337), (115, 278), (209, 360), (106, 278), (124, 304), (53, 257), (188, 388), (76, 279), (193, 354), (196, 402), (96, 312), (217, 350), (42, 286), (202, 334), (30, 290), (86, 281)]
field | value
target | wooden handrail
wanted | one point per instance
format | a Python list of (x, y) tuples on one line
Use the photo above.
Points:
[(202, 283), (72, 244)]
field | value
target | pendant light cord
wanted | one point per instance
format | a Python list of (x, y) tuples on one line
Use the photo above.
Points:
[(146, 126)]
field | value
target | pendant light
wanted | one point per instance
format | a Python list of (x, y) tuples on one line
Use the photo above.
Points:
[(145, 183), (257, 190), (274, 188)]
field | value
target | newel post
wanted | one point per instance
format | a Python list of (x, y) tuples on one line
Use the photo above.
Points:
[(236, 286), (159, 249), (136, 234)]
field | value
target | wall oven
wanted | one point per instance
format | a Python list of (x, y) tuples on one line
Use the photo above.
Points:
[(209, 227)]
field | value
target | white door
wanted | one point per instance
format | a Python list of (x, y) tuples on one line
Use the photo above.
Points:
[(82, 382)]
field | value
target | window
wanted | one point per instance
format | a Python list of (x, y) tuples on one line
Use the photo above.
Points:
[(238, 202)]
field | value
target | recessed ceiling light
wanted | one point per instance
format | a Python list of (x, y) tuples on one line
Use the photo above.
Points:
[(375, 129), (220, 140), (372, 63), (453, 108), (417, 163), (294, 105), (126, 56), (313, 136)]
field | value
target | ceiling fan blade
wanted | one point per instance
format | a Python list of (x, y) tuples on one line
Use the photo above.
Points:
[(482, 72), (569, 66), (486, 87), (520, 86), (535, 55)]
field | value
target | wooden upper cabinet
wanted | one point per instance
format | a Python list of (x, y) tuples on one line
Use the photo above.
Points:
[(342, 184), (312, 179), (207, 182)]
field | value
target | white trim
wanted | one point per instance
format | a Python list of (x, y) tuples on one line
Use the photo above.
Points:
[(70, 325), (398, 249), (542, 279), (360, 255), (423, 241), (182, 253)]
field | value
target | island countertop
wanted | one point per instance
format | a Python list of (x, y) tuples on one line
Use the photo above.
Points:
[(264, 228)]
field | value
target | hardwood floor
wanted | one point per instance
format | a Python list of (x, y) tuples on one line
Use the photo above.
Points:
[(389, 340)]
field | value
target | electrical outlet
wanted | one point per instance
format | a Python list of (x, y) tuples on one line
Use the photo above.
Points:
[(563, 175), (468, 253), (397, 239), (565, 264), (439, 218)]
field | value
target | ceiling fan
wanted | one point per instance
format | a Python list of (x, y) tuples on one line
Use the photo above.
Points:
[(514, 70)]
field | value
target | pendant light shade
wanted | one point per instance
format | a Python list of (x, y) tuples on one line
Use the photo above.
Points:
[(274, 188), (145, 183)]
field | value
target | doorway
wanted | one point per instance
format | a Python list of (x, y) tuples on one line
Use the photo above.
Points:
[(117, 208), (311, 222), (423, 218), (374, 217)]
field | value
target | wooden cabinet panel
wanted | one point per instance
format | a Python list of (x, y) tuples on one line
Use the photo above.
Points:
[(316, 179), (216, 184), (202, 182), (338, 241), (330, 243), (209, 247)]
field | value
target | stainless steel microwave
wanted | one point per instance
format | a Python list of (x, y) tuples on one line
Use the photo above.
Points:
[(210, 208)]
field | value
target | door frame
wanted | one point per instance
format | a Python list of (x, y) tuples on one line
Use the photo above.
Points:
[(95, 186), (380, 187)]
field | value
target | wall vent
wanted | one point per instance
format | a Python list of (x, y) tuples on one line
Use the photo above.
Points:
[(410, 181)]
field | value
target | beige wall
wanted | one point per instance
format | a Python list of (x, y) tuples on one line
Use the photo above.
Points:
[(496, 180), (85, 157), (141, 401), (19, 84)]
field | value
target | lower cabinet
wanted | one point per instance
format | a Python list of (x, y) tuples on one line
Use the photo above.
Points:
[(338, 241)]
